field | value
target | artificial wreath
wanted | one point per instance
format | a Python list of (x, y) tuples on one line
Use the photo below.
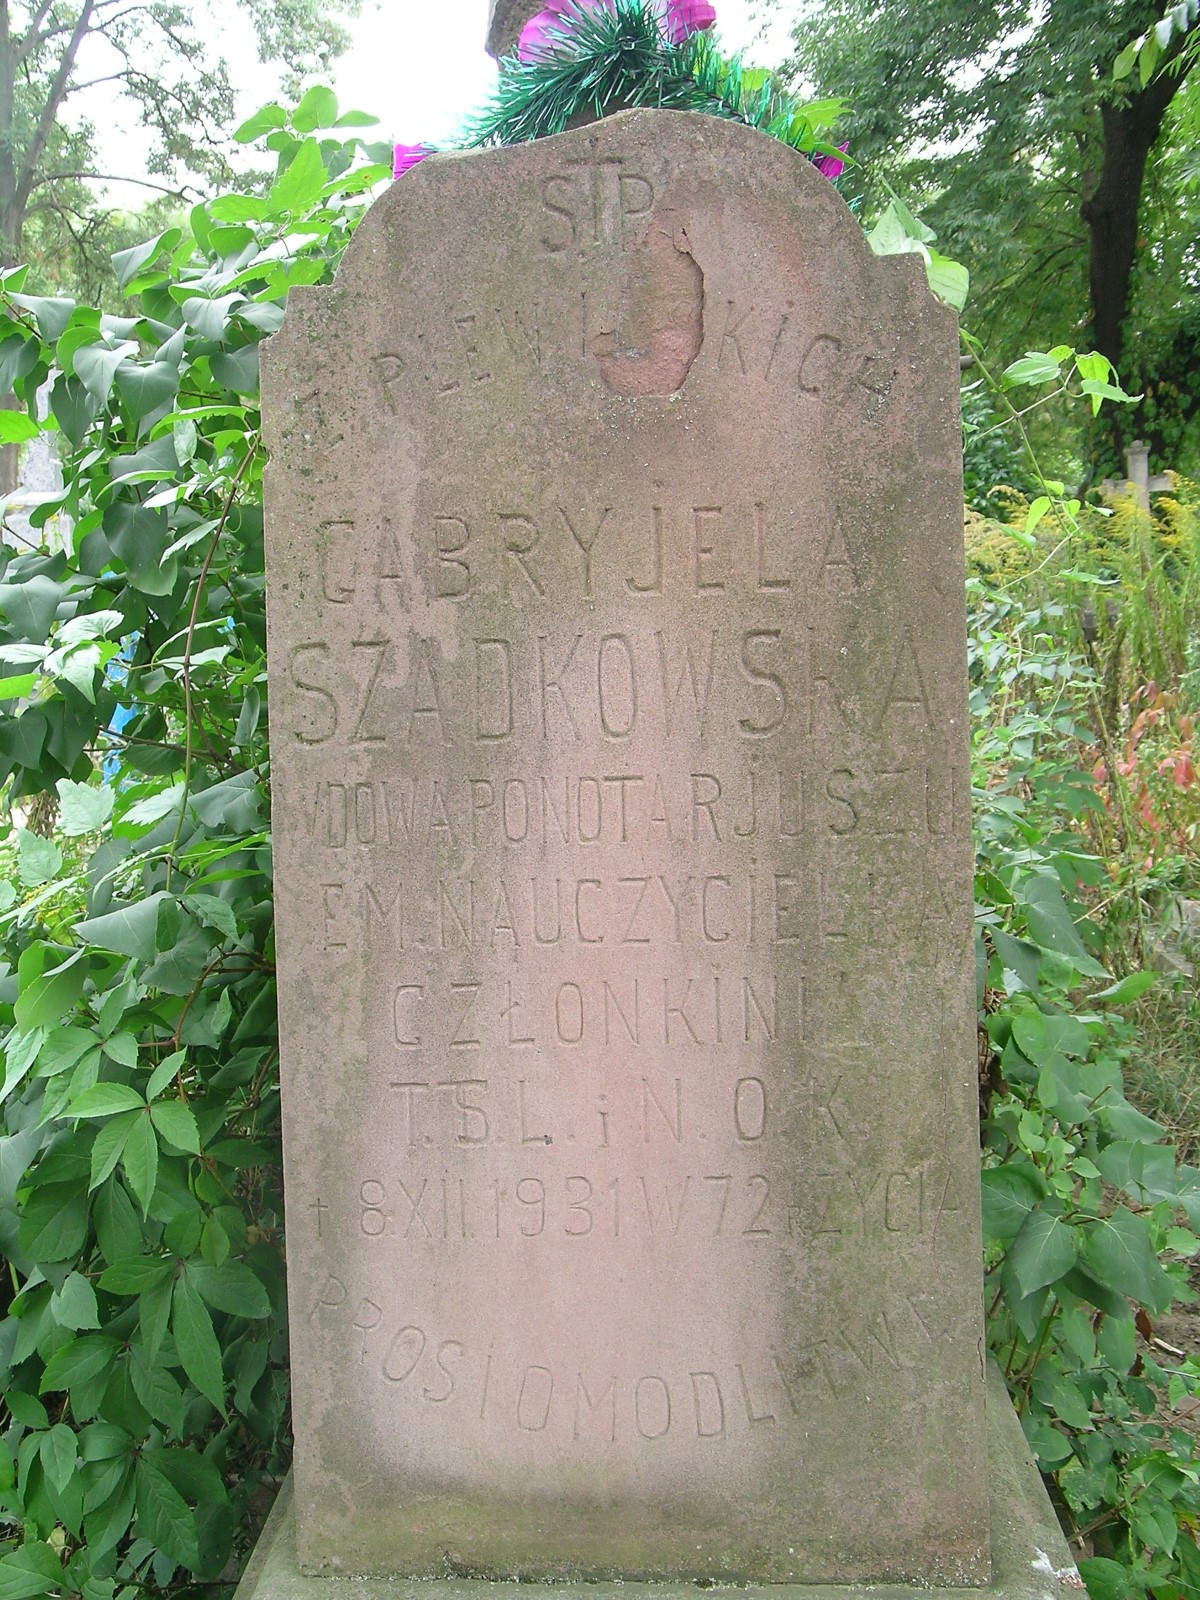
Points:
[(581, 59)]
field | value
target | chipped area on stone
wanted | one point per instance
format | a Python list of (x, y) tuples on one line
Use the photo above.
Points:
[(621, 811)]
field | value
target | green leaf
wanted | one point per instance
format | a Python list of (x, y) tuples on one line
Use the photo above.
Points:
[(230, 1287), (109, 1143), (164, 1072), (106, 1526), (18, 686), (177, 1124), (16, 427), (1078, 1333), (105, 1100), (76, 1362), (300, 185), (122, 1048), (1122, 67), (118, 1231), (1145, 1171), (30, 1573), (195, 1476), (26, 1409), (51, 315), (1129, 988), (147, 464), (1037, 511), (210, 318), (213, 912), (1033, 367), (214, 1242), (38, 859), (1042, 1251), (1085, 1287), (50, 986), (1124, 1121), (136, 1274), (145, 388), (197, 1343), (163, 1515), (158, 1391), (949, 280), (1053, 927), (318, 108), (1010, 1194), (83, 807), (139, 1161), (237, 369), (20, 1052), (73, 1305), (1107, 1580), (128, 263), (130, 931), (54, 1222), (154, 1308), (1118, 1251), (265, 120), (1116, 1340), (58, 1454), (96, 366), (237, 208)]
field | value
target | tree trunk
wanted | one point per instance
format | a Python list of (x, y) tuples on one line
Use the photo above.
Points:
[(1130, 129)]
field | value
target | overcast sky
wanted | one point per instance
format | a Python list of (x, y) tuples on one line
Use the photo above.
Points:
[(419, 67)]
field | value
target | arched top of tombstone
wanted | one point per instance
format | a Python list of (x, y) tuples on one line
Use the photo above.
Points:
[(678, 209)]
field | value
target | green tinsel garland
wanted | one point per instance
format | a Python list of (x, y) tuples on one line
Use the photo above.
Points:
[(617, 57)]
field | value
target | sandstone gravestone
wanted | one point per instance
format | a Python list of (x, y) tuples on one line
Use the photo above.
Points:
[(624, 879)]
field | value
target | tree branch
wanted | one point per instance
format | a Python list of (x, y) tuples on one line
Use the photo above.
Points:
[(111, 77), (32, 37), (54, 99), (109, 177)]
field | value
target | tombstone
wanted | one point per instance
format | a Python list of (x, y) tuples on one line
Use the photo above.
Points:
[(38, 478), (623, 867), (1138, 481)]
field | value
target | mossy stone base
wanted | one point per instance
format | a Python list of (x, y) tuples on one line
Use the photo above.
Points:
[(1030, 1559)]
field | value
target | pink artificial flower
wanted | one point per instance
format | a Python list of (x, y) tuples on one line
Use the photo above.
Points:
[(685, 17), (542, 36), (407, 155), (829, 166)]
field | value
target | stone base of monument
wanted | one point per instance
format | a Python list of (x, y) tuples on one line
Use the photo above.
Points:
[(1030, 1559)]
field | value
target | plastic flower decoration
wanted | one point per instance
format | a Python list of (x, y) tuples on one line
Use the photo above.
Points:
[(829, 166), (408, 155), (547, 33), (685, 17), (541, 37)]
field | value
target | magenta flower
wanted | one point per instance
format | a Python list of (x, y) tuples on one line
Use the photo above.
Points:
[(685, 17), (829, 166), (407, 155), (542, 36)]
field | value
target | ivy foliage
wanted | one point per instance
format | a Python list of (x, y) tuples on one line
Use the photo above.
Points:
[(143, 1353), (1090, 1221)]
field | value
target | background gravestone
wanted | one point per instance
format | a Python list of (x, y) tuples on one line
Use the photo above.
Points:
[(624, 879)]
